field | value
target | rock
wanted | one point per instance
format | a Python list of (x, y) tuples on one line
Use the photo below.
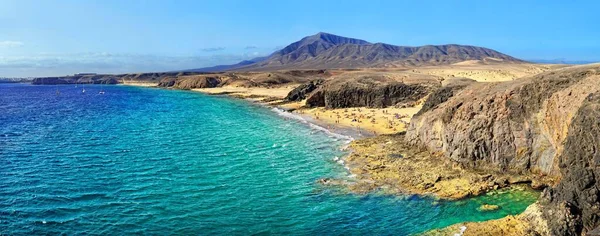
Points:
[(110, 79), (191, 82), (367, 91), (439, 96), (486, 207), (77, 79), (594, 232), (300, 93), (395, 155), (544, 127)]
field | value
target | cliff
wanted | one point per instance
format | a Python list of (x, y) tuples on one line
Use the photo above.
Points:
[(244, 79), (544, 125)]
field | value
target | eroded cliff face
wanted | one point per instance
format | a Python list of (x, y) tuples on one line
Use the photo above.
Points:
[(243, 79), (302, 91), (191, 82), (367, 92), (573, 205), (544, 125)]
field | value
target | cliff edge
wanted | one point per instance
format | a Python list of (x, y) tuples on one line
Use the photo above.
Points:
[(545, 125)]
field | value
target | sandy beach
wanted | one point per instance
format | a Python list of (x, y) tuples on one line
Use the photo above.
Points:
[(363, 121), (254, 93), (374, 121), (139, 83)]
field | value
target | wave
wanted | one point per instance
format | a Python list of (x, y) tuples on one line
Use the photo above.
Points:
[(313, 126)]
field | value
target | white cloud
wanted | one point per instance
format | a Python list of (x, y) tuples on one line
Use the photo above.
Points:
[(215, 49), (48, 64), (11, 44)]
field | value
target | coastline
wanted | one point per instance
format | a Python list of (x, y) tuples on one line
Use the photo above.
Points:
[(139, 84), (337, 128), (273, 97), (361, 162)]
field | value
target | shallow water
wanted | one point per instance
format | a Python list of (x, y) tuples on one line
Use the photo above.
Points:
[(153, 161)]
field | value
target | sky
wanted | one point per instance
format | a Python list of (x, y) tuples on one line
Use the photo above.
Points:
[(59, 37)]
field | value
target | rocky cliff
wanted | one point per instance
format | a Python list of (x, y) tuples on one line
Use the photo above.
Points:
[(367, 91), (543, 125), (302, 91), (244, 79)]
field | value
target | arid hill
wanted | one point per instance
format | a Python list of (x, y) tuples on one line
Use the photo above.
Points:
[(328, 51)]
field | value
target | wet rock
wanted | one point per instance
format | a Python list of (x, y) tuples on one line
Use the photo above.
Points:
[(488, 207)]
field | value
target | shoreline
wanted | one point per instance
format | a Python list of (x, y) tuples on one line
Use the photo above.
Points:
[(337, 128), (272, 102), (359, 184)]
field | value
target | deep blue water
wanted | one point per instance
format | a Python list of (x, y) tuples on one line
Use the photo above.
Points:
[(152, 161)]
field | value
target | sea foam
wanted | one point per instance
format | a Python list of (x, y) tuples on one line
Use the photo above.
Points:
[(313, 126)]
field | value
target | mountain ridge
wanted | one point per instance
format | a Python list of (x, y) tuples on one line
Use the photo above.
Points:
[(329, 51)]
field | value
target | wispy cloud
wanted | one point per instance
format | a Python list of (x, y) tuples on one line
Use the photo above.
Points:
[(11, 44), (111, 63), (216, 49), (250, 47)]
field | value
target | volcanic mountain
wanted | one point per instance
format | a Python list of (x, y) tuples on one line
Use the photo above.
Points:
[(328, 51)]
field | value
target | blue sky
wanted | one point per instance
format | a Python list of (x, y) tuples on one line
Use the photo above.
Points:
[(39, 38)]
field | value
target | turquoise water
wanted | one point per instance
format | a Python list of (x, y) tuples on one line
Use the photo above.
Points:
[(152, 161)]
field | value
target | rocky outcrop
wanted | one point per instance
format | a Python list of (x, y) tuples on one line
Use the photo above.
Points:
[(546, 125), (191, 82), (77, 79), (577, 196), (301, 92), (110, 79), (388, 162), (438, 97), (247, 79), (366, 92)]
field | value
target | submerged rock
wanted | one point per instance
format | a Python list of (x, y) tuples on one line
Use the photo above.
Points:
[(487, 207)]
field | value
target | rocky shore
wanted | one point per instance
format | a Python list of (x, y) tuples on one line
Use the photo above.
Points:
[(529, 222), (468, 138), (388, 163), (545, 125), (471, 138)]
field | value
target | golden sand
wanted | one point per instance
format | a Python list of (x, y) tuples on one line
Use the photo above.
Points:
[(140, 83), (374, 121), (250, 92), (485, 73)]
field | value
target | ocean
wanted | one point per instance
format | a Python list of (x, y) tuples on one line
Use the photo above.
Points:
[(154, 161)]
